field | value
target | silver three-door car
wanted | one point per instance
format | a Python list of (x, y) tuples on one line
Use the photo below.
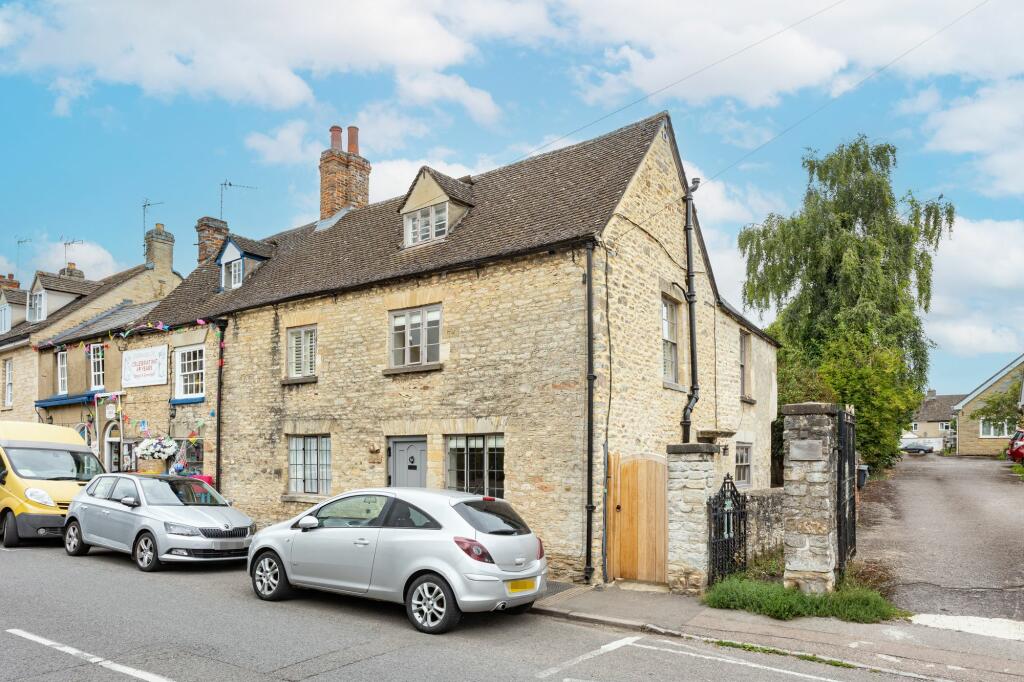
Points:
[(156, 519), (437, 551)]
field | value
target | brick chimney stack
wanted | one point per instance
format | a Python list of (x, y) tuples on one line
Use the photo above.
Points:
[(212, 234), (71, 271), (160, 249), (344, 175), (9, 282)]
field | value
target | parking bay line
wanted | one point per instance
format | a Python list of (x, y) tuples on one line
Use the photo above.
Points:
[(736, 661), (90, 658), (611, 646)]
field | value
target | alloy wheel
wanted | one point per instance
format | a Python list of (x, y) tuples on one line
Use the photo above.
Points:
[(145, 552), (428, 605), (71, 539), (267, 576)]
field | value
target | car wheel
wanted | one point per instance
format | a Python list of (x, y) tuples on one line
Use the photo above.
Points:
[(145, 553), (519, 610), (431, 606), (11, 538), (269, 581), (73, 543)]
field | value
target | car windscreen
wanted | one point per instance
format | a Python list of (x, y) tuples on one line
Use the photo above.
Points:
[(495, 517), (180, 493), (53, 464)]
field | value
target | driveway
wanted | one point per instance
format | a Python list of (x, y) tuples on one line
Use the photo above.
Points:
[(952, 530)]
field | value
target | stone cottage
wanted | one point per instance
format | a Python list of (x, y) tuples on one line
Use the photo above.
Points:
[(59, 383), (934, 418), (523, 333), (980, 437)]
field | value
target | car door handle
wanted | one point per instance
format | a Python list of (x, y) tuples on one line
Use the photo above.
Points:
[(361, 542)]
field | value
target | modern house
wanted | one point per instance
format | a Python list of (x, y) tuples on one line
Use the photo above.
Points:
[(981, 437), (60, 382), (537, 332)]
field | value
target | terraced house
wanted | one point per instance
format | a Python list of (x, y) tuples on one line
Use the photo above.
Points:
[(523, 333), (59, 383)]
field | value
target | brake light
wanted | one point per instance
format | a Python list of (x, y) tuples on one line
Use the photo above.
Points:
[(474, 550), (540, 549), (490, 499)]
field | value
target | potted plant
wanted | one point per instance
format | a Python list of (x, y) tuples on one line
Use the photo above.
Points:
[(153, 454)]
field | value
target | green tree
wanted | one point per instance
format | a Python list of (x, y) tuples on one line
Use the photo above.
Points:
[(1002, 406), (850, 274)]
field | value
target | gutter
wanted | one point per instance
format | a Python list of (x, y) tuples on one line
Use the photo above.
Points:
[(691, 308), (588, 569), (222, 324)]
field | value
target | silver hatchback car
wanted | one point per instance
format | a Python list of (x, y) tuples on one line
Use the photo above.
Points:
[(156, 519), (437, 551)]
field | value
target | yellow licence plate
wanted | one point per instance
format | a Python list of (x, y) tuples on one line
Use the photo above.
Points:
[(521, 585)]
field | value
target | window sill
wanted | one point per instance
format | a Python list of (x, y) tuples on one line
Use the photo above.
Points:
[(187, 401), (748, 400), (672, 386), (296, 381), (304, 498), (411, 369)]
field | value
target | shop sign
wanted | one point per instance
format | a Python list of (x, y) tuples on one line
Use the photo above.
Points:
[(144, 367)]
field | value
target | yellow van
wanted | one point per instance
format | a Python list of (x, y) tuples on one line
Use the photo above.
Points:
[(42, 467)]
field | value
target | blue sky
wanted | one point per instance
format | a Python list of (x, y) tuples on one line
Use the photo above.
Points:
[(103, 106)]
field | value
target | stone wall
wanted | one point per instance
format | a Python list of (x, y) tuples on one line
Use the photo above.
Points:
[(25, 369), (691, 475), (811, 455), (765, 527)]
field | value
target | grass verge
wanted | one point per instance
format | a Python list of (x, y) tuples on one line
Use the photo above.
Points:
[(851, 602), (1019, 470)]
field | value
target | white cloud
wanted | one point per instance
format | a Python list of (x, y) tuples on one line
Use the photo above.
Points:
[(735, 130), (924, 102), (89, 257), (392, 178), (427, 87), (976, 306), (68, 90), (383, 128), (723, 204), (988, 125), (287, 144)]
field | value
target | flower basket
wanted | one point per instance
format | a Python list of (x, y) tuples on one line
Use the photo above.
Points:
[(152, 466), (154, 454)]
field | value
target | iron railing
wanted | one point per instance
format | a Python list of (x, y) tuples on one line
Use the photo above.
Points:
[(727, 531)]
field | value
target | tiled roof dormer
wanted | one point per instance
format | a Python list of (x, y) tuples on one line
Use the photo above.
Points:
[(433, 206)]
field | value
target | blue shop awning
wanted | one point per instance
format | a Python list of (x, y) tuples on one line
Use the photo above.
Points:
[(58, 400)]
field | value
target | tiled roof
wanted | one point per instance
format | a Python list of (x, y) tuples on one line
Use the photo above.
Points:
[(561, 197), (455, 189), (102, 286), (938, 408), (16, 296), (121, 316), (255, 247), (68, 285)]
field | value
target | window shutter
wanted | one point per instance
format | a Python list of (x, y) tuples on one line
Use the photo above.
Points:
[(310, 344), (295, 353)]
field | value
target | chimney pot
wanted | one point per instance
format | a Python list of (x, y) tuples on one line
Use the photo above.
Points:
[(212, 233), (353, 140), (336, 137), (160, 248), (159, 227)]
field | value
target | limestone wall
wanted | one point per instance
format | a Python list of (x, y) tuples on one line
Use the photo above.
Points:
[(765, 529), (969, 438), (25, 385)]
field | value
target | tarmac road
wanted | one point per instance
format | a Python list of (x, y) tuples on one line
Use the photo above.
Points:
[(952, 529)]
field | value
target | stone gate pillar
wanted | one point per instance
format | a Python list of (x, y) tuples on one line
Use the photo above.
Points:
[(811, 445), (691, 478)]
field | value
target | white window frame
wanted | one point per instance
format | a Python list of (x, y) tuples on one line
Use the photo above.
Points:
[(97, 366), (37, 312), (943, 426), (913, 426), (302, 351), (234, 273), (744, 462), (5, 318), (8, 382), (744, 364), (427, 224), (1007, 431), (180, 355), (669, 340), (309, 464), (414, 354), (62, 372)]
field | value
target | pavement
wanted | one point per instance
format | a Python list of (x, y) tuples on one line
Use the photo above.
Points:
[(98, 618), (952, 531), (897, 648)]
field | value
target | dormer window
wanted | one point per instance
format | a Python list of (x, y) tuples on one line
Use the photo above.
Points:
[(5, 318), (37, 306), (426, 224), (233, 274)]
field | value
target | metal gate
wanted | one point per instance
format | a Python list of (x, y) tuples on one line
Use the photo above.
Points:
[(846, 488), (727, 531)]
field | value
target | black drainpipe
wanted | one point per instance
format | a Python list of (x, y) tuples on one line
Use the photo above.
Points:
[(691, 307), (588, 570), (222, 325)]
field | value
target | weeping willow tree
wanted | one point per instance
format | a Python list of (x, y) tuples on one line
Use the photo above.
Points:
[(850, 275)]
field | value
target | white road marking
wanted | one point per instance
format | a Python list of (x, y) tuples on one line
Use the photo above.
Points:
[(734, 661), (1003, 628), (90, 658), (611, 646)]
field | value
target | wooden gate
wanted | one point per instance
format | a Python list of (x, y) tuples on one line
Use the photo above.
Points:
[(638, 519)]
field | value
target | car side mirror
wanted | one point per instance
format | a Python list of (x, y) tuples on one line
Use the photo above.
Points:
[(308, 523), (129, 501), (3, 476)]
